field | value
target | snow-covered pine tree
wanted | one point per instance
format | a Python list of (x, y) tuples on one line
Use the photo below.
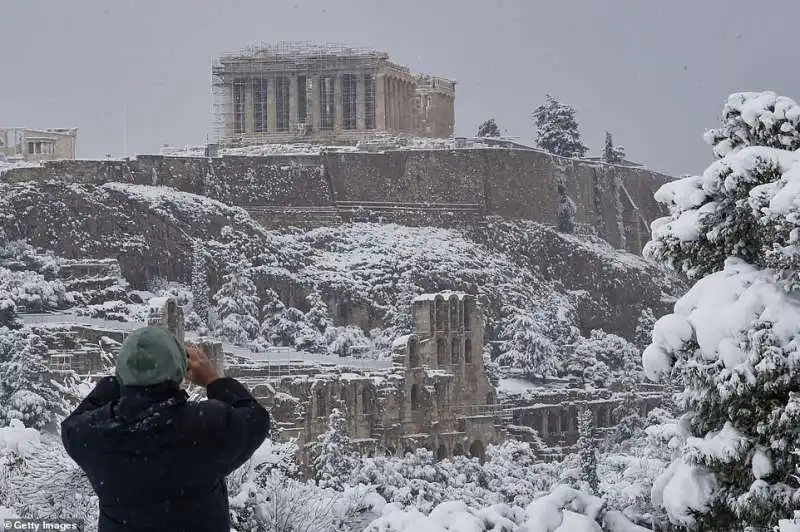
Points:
[(642, 336), (335, 460), (627, 415), (587, 448), (318, 315), (557, 129), (200, 296), (734, 338), (237, 305), (287, 326), (525, 347), (489, 129), (26, 393), (612, 154)]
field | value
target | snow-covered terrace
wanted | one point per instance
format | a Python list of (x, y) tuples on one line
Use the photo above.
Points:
[(278, 355)]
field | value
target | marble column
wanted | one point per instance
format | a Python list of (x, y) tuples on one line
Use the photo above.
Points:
[(338, 105), (361, 101), (314, 104), (395, 101), (380, 101), (249, 108), (293, 104), (272, 110)]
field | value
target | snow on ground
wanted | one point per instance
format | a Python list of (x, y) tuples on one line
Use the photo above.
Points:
[(7, 165)]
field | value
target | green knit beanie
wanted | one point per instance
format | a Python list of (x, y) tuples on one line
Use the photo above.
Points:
[(151, 355)]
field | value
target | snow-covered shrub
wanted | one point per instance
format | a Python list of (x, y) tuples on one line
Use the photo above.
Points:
[(734, 339), (347, 341), (39, 480), (20, 255), (111, 310), (603, 358), (33, 291)]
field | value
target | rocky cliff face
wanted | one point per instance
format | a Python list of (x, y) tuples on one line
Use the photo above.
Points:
[(368, 272)]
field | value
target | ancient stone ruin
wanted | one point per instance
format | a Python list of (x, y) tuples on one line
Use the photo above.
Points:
[(435, 394)]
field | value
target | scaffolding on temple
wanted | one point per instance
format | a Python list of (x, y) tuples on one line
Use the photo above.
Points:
[(289, 89)]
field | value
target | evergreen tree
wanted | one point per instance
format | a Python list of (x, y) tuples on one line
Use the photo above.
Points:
[(642, 336), (525, 347), (237, 305), (200, 297), (488, 129), (732, 340), (557, 129), (318, 315), (612, 154), (335, 461), (587, 448), (26, 393), (629, 420)]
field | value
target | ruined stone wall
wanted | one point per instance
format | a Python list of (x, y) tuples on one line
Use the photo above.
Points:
[(515, 184)]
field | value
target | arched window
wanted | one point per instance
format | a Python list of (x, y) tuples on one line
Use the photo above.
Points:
[(467, 313), (441, 352), (322, 407), (455, 351), (441, 314), (476, 450), (415, 397), (441, 452), (365, 400), (413, 354), (552, 422), (468, 351), (454, 321)]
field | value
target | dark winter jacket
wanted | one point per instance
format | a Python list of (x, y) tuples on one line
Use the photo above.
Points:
[(158, 462)]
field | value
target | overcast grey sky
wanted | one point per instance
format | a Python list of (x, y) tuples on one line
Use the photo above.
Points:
[(655, 73)]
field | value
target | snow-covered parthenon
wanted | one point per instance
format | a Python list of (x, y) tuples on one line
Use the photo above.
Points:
[(298, 91)]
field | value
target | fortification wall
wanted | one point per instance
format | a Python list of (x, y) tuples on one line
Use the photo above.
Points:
[(616, 201)]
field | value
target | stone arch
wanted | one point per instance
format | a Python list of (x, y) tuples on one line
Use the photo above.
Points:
[(552, 422), (454, 315), (413, 353), (455, 350), (365, 400), (441, 313), (415, 397), (468, 351), (441, 453), (458, 450), (477, 450), (322, 403), (600, 416), (466, 311), (441, 352)]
